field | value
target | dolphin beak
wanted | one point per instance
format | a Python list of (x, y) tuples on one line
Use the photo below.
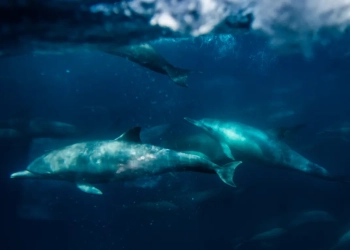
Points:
[(197, 123), (23, 175)]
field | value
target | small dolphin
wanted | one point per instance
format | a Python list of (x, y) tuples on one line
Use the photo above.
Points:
[(342, 132), (143, 54), (39, 128), (246, 143), (313, 216), (146, 56), (122, 159)]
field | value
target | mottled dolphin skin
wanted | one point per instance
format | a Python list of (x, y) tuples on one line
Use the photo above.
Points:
[(246, 143), (146, 56), (122, 159)]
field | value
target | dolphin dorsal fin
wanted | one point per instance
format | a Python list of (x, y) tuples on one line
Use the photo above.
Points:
[(283, 132), (278, 133), (132, 135)]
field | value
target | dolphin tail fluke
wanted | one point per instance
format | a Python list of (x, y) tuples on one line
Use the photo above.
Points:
[(227, 171), (178, 75)]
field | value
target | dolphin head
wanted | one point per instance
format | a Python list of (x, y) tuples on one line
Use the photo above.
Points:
[(38, 169), (207, 124)]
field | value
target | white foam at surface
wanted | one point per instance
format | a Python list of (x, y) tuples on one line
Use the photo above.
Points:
[(289, 24)]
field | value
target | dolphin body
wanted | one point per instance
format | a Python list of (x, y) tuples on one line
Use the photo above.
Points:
[(207, 145), (122, 159), (246, 143), (143, 54)]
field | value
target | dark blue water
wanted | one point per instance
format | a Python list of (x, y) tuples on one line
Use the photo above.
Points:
[(250, 85)]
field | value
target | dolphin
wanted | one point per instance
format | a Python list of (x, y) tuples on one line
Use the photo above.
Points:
[(312, 216), (341, 132), (146, 56), (245, 143), (210, 148), (123, 159), (38, 128), (143, 54)]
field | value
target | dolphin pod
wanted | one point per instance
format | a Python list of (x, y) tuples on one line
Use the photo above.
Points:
[(123, 159), (248, 144)]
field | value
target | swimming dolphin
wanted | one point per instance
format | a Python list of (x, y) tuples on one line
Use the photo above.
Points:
[(122, 159), (341, 132), (203, 143), (246, 143), (142, 54), (39, 128), (146, 56)]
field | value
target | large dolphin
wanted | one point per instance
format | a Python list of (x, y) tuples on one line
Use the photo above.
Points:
[(146, 56), (122, 159), (246, 143), (204, 143)]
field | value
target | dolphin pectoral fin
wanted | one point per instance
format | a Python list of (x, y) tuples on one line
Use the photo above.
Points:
[(88, 189), (282, 132), (227, 151), (278, 133), (227, 172)]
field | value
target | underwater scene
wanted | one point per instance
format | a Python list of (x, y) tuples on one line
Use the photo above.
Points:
[(175, 124)]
